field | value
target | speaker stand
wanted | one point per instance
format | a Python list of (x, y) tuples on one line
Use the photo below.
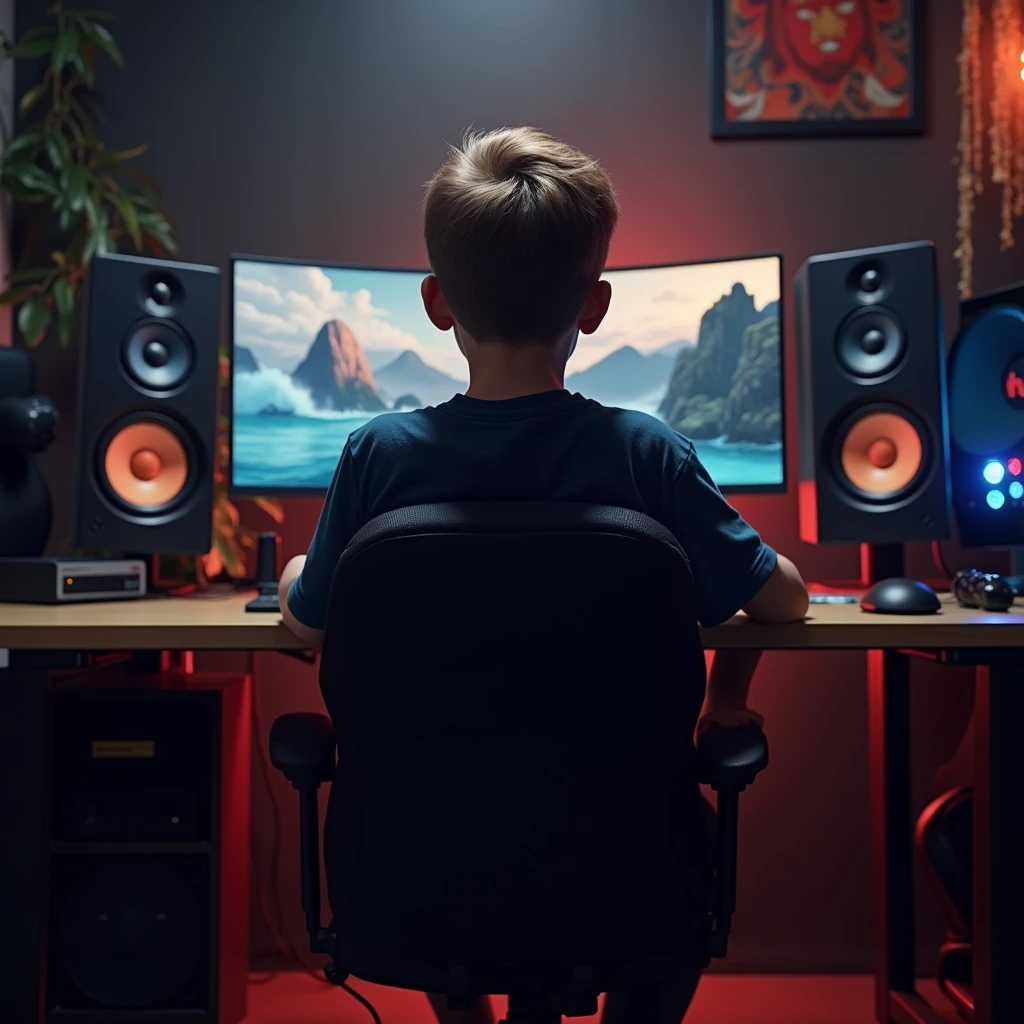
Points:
[(880, 562)]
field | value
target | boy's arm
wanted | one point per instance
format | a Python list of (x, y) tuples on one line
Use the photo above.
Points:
[(725, 703), (306, 581), (313, 637), (783, 598)]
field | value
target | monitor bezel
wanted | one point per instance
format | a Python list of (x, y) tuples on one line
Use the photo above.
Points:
[(238, 491)]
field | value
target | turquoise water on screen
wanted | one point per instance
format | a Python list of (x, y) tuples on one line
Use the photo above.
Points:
[(279, 453)]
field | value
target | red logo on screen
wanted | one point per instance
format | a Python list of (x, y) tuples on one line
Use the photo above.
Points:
[(1013, 383)]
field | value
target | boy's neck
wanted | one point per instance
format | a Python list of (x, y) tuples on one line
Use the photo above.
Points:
[(500, 372)]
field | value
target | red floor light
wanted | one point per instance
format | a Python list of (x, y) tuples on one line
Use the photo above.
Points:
[(1014, 466)]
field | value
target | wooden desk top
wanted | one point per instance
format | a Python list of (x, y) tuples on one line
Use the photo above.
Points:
[(220, 622)]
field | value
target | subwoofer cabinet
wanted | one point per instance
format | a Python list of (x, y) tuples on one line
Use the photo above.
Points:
[(148, 855)]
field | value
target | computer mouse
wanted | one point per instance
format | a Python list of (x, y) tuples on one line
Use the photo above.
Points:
[(900, 596)]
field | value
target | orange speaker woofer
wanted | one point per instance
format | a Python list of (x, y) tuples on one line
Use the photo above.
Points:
[(147, 464), (881, 453)]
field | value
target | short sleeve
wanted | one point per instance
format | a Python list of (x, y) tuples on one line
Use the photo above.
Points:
[(340, 520), (729, 560)]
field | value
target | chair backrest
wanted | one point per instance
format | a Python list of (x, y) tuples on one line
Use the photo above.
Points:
[(514, 689)]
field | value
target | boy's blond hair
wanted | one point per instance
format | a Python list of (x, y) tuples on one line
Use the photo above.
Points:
[(517, 226)]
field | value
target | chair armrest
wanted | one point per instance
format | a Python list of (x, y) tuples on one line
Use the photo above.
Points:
[(730, 759), (302, 748)]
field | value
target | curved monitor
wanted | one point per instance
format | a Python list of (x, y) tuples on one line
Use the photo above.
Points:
[(318, 350)]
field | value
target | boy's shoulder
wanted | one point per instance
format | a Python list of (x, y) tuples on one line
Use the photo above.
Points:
[(389, 427), (644, 431)]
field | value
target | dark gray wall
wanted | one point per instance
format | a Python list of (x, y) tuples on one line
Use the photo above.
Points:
[(307, 128)]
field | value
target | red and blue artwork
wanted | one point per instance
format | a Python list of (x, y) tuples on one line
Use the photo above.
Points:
[(816, 66)]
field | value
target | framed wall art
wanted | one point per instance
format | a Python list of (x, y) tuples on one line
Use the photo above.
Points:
[(816, 67)]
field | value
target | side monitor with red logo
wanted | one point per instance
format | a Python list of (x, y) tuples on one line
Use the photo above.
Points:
[(986, 419)]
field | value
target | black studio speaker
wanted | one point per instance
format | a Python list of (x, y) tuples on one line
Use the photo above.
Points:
[(874, 449), (147, 408)]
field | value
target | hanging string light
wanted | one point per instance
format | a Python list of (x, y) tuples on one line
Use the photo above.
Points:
[(970, 150), (1005, 125), (1004, 131)]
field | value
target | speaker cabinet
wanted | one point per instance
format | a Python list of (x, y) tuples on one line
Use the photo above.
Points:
[(147, 407), (149, 850), (874, 449)]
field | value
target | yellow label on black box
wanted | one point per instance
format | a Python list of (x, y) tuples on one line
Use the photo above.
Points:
[(123, 748)]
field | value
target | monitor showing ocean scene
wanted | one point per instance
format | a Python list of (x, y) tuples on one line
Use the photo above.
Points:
[(318, 351)]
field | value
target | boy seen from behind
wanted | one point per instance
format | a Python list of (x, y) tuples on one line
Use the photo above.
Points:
[(517, 227)]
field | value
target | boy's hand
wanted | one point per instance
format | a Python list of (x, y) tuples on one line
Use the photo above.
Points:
[(730, 718)]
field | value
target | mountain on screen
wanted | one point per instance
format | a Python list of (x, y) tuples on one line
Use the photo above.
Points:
[(336, 372), (243, 361), (622, 376), (728, 384), (410, 375)]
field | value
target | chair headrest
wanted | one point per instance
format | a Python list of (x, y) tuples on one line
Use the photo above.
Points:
[(454, 518)]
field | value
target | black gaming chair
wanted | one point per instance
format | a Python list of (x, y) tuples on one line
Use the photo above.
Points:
[(945, 841), (514, 805)]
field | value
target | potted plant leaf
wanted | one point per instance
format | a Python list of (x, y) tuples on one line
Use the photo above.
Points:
[(79, 199)]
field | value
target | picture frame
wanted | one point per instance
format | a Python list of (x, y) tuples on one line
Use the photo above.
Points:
[(808, 68)]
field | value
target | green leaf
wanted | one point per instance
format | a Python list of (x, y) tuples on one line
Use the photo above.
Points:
[(26, 141), (67, 45), (28, 274), (64, 299), (13, 296), (35, 33), (63, 296), (101, 36), (58, 150), (30, 177), (34, 95), (123, 204), (92, 212), (33, 319), (83, 66), (35, 47), (162, 234), (75, 186)]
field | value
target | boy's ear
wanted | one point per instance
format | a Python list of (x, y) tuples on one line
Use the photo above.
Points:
[(595, 308), (436, 304)]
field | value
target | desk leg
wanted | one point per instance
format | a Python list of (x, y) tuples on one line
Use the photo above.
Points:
[(892, 841), (998, 841), (22, 802)]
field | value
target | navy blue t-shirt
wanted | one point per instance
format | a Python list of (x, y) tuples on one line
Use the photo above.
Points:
[(553, 446)]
